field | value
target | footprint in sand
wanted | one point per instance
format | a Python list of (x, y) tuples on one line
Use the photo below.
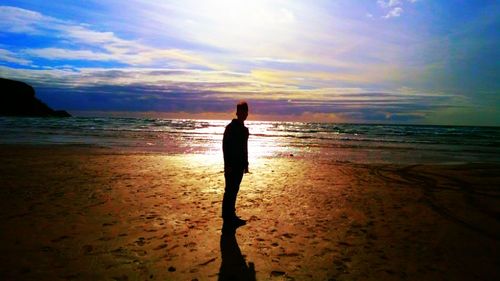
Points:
[(141, 241), (289, 235), (253, 218), (140, 252), (108, 224), (119, 252), (59, 239), (106, 238), (288, 254), (343, 243), (190, 245), (87, 249), (276, 273), (162, 246), (346, 259), (121, 278)]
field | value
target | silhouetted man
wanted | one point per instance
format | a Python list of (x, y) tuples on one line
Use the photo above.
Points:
[(235, 148)]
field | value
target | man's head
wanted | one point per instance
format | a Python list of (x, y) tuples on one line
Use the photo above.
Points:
[(242, 110)]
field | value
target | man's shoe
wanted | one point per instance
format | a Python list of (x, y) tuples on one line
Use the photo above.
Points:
[(234, 221), (238, 222)]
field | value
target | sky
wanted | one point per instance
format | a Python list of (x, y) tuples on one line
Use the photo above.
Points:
[(366, 61)]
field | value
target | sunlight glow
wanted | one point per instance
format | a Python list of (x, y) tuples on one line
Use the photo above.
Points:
[(259, 146), (245, 16), (249, 27)]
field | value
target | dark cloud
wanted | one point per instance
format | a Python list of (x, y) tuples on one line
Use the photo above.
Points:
[(195, 98)]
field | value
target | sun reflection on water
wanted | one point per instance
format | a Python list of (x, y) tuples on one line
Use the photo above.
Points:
[(260, 145)]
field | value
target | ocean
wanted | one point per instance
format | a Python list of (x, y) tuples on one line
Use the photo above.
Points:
[(356, 143)]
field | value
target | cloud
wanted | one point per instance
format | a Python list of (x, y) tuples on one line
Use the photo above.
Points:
[(394, 7), (260, 84), (178, 90), (87, 44), (388, 3), (17, 20), (146, 57), (8, 56), (65, 54), (314, 47), (395, 12)]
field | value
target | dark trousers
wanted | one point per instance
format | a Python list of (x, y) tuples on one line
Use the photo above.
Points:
[(233, 180)]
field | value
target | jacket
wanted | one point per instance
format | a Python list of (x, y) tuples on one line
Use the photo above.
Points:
[(235, 145)]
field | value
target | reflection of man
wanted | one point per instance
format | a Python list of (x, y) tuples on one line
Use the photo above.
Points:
[(235, 148)]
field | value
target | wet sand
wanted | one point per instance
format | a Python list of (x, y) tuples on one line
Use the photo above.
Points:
[(80, 213)]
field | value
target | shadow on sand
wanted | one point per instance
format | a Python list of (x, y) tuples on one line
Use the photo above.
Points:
[(233, 266)]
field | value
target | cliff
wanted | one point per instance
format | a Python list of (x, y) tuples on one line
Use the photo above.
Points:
[(18, 99)]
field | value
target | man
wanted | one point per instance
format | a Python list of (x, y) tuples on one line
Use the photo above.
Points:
[(235, 149)]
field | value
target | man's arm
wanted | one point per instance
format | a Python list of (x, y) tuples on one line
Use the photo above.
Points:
[(226, 146), (245, 153)]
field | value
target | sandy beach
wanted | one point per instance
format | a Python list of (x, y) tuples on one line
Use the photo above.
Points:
[(86, 213)]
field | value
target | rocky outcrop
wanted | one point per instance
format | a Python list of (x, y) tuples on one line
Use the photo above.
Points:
[(18, 99)]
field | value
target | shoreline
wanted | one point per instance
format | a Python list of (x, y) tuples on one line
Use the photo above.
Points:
[(81, 213), (326, 156)]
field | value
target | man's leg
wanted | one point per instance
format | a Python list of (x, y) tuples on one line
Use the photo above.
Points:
[(233, 181)]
